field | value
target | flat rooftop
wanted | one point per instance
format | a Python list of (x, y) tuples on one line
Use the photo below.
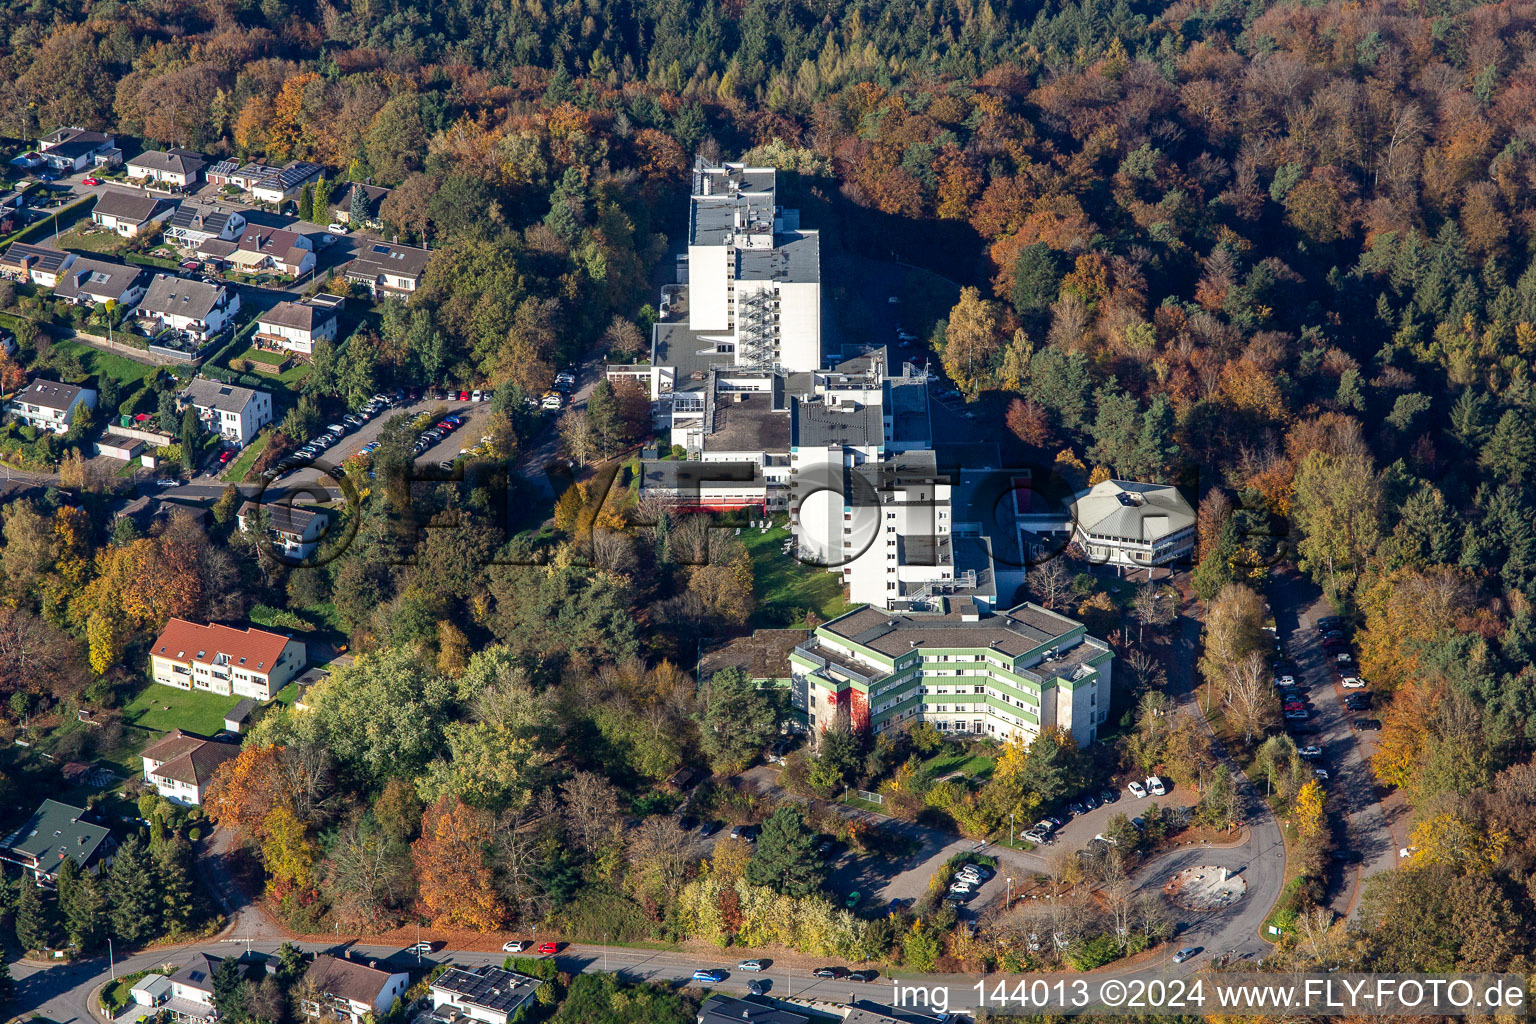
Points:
[(748, 421), (1014, 632)]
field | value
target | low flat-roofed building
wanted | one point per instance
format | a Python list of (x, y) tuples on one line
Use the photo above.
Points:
[(488, 994)]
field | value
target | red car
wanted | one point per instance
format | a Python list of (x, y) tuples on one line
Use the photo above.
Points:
[(463, 396), (91, 181), (224, 457), (1295, 705), (548, 948), (446, 427)]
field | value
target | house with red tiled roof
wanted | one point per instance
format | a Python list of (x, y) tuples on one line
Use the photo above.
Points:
[(180, 765), (221, 659)]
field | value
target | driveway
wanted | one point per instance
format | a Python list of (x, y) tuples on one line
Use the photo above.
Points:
[(1297, 605)]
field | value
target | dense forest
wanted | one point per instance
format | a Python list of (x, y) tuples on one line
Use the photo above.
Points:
[(1280, 253)]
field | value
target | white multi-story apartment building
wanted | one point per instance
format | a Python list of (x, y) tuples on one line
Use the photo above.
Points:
[(1003, 675), (221, 659), (234, 413)]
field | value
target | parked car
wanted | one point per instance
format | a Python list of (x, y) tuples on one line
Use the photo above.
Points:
[(463, 396), (853, 899), (830, 972), (422, 948), (91, 181), (709, 828), (1076, 807), (1293, 705), (515, 946), (824, 847), (1155, 786), (1321, 773), (1286, 680), (756, 988), (1187, 953), (753, 965), (864, 976), (337, 229), (1310, 751), (1034, 835), (1353, 683), (1091, 801), (1137, 790), (1109, 796), (225, 456), (1297, 716), (548, 948), (713, 975)]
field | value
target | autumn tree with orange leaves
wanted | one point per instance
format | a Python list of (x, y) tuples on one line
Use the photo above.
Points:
[(455, 883)]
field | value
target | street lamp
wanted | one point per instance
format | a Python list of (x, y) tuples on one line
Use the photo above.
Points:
[(1010, 828), (1008, 902)]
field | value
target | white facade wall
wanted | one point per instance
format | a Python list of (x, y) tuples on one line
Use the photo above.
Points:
[(800, 326), (708, 292)]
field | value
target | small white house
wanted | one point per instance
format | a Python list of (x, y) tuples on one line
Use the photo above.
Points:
[(179, 766), (51, 405), (179, 167), (68, 150), (294, 531), (191, 999)]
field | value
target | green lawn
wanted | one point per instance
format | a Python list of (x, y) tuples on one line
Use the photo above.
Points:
[(237, 469), (786, 588), (163, 708), (109, 364), (976, 766), (263, 356), (82, 239)]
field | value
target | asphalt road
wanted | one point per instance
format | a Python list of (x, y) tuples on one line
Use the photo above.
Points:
[(1297, 605)]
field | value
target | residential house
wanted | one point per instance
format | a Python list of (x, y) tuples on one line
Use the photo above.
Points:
[(294, 531), (348, 990), (196, 308), (1132, 525), (999, 676), (151, 510), (50, 404), (179, 167), (194, 223), (487, 994), (718, 1009), (55, 831), (129, 213), (264, 182), (296, 326), (68, 150), (388, 269), (232, 412), (191, 1000), (343, 203), (221, 659), (88, 281), (263, 248), (37, 264), (179, 765)]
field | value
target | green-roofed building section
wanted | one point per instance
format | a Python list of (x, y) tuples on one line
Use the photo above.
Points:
[(963, 669)]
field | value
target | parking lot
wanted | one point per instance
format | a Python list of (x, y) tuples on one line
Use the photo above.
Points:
[(476, 417)]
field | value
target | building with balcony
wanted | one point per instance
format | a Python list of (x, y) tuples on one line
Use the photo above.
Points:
[(349, 991), (1132, 525), (35, 264), (194, 223), (296, 326), (51, 405), (967, 671), (191, 998), (53, 832), (196, 308), (179, 766), (292, 530), (385, 268), (221, 659), (226, 410)]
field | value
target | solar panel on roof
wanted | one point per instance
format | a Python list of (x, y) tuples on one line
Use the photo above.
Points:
[(381, 248)]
